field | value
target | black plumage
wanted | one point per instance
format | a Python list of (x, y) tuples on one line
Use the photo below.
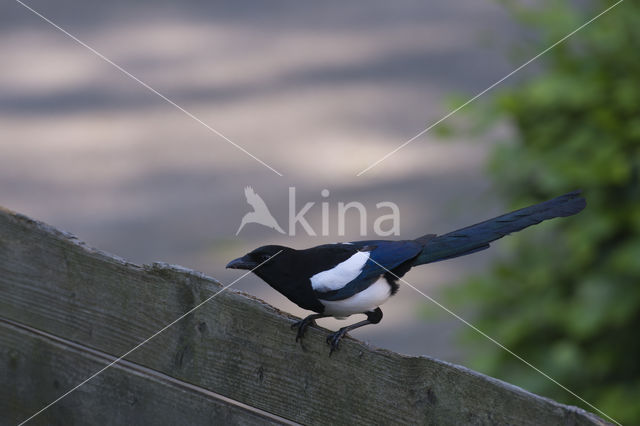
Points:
[(348, 278)]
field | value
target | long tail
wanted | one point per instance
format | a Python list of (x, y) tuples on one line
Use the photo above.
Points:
[(477, 237)]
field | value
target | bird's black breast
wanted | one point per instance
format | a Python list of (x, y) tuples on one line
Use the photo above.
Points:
[(293, 277)]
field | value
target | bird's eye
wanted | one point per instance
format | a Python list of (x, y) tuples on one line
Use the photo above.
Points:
[(264, 257)]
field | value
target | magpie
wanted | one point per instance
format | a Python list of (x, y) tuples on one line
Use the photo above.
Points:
[(339, 280)]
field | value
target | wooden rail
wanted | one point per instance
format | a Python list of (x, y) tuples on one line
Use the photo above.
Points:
[(67, 310)]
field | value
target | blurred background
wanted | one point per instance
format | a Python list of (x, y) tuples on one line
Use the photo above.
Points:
[(321, 91)]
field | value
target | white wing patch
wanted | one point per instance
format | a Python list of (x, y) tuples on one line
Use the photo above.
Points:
[(341, 274)]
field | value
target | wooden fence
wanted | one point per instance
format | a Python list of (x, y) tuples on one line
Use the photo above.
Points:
[(67, 310)]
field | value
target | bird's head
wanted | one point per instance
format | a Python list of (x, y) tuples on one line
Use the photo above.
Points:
[(268, 258)]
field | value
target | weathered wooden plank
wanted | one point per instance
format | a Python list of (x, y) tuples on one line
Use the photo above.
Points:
[(36, 368), (239, 346)]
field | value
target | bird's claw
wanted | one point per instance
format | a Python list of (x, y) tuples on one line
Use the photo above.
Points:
[(302, 327), (333, 340)]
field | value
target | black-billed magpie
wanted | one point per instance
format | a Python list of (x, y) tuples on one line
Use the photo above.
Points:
[(339, 280)]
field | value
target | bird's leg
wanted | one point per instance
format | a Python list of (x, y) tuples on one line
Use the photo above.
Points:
[(333, 339), (304, 323)]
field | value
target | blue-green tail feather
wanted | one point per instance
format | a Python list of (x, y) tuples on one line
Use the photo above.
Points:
[(477, 237)]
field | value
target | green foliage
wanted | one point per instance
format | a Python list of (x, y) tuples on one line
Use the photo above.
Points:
[(567, 298)]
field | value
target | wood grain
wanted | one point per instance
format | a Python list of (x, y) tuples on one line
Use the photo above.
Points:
[(236, 345), (124, 394)]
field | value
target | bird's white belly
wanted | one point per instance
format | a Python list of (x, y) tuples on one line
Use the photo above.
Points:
[(375, 295)]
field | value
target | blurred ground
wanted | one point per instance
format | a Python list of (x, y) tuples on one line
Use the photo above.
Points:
[(318, 91)]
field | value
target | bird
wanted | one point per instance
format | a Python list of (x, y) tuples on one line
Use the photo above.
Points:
[(260, 213), (343, 279)]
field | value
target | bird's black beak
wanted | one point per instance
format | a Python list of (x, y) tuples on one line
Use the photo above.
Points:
[(242, 263)]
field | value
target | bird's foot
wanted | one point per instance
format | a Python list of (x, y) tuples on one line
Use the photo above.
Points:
[(333, 339), (302, 327)]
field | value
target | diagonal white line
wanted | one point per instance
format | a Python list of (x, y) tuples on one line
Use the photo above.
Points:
[(389, 154), (145, 85), (498, 344), (146, 340)]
